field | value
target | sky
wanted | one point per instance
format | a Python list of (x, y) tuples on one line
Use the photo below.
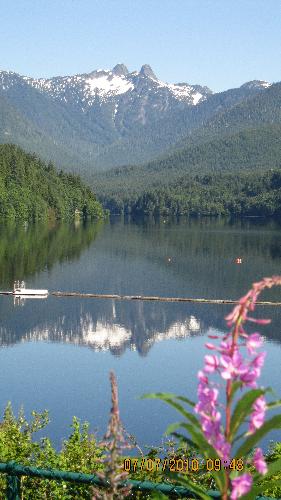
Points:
[(218, 43)]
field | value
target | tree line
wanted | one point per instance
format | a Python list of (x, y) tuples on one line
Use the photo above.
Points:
[(238, 194), (234, 175)]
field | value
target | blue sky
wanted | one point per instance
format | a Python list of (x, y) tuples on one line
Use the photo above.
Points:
[(219, 43)]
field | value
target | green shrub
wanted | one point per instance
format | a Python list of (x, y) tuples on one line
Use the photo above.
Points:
[(79, 453)]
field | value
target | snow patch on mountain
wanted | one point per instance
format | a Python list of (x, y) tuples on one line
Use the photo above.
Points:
[(8, 79), (108, 84), (256, 84), (185, 92), (182, 92)]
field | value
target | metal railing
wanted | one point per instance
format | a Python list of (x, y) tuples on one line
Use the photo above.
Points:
[(15, 471)]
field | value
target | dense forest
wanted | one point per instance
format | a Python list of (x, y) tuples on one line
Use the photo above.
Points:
[(235, 175), (32, 190), (238, 194), (223, 194)]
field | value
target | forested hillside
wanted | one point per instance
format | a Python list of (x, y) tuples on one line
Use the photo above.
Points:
[(239, 174), (259, 110), (32, 190)]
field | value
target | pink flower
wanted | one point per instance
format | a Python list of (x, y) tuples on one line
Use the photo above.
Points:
[(211, 424), (207, 394), (249, 377), (202, 377), (207, 399), (258, 361), (222, 447), (228, 368), (232, 366), (246, 297), (232, 317), (241, 485), (211, 363), (253, 342), (258, 414), (259, 321), (259, 461), (260, 404), (256, 422), (225, 347), (210, 346)]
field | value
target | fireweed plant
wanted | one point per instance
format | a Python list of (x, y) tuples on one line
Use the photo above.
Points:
[(113, 475), (214, 427)]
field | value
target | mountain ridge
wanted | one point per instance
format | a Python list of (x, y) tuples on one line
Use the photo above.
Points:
[(106, 118)]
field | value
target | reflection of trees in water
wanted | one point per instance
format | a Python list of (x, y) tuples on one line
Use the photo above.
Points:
[(118, 325), (28, 249)]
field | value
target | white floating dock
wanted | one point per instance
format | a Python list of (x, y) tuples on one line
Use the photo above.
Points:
[(27, 292), (21, 291)]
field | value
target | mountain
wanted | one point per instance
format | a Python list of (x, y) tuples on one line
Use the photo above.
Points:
[(106, 118), (31, 190), (259, 110), (101, 86), (210, 177)]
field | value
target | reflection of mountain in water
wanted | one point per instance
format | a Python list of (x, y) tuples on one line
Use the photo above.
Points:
[(115, 326), (100, 325), (113, 337)]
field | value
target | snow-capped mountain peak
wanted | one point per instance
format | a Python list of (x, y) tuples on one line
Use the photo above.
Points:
[(256, 84), (120, 70), (147, 71), (105, 85)]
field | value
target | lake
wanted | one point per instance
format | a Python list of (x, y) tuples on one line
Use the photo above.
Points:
[(57, 353)]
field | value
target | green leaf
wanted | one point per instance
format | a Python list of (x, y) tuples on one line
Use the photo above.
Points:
[(240, 436), (185, 439), (199, 440), (189, 416), (172, 427), (170, 399), (205, 450), (185, 481), (185, 400), (158, 395), (235, 386), (251, 441), (273, 404), (243, 409), (167, 396)]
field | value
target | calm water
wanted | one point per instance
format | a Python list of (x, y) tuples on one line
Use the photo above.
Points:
[(57, 353)]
